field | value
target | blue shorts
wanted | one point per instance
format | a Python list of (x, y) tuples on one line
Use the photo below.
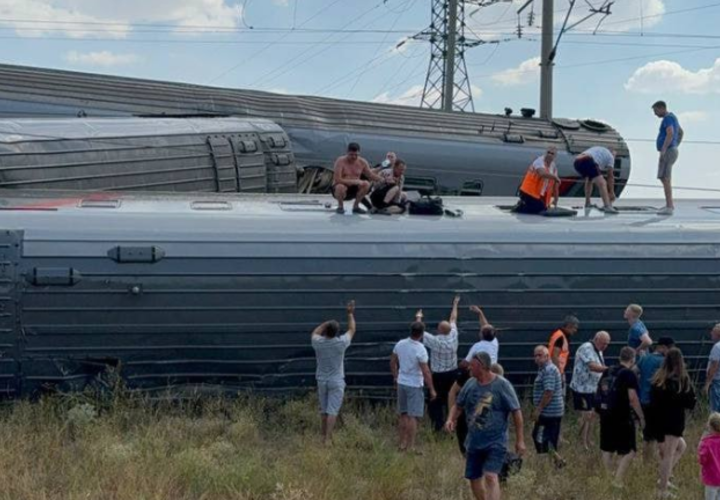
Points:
[(487, 461), (715, 395)]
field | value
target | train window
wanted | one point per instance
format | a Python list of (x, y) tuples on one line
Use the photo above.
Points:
[(99, 204), (472, 188), (425, 185), (211, 205)]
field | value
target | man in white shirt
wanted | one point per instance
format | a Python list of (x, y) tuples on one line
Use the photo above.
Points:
[(443, 363), (540, 186), (409, 366), (330, 372), (488, 339), (596, 166)]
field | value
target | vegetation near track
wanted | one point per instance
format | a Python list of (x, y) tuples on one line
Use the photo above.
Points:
[(251, 448)]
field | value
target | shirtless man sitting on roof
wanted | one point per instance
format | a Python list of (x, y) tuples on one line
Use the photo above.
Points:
[(347, 182)]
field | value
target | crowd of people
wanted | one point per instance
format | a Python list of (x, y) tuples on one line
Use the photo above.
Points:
[(649, 389), (355, 180)]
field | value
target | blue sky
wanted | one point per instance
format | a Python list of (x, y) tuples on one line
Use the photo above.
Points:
[(646, 50)]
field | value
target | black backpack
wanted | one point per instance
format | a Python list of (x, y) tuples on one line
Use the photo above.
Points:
[(426, 206), (606, 396)]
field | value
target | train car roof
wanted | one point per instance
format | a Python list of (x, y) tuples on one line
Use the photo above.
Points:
[(265, 219)]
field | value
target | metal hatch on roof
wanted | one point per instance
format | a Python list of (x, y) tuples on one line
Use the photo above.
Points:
[(595, 126), (567, 123)]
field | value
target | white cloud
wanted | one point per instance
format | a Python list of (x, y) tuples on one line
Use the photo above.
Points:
[(526, 72), (659, 77), (104, 58), (693, 117), (111, 18), (413, 96), (282, 3)]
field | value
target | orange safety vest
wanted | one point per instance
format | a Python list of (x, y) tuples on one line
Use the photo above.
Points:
[(564, 350), (537, 187)]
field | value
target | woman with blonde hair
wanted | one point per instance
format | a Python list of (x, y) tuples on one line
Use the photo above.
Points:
[(671, 395)]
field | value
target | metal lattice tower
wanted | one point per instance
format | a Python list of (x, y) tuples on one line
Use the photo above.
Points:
[(437, 34)]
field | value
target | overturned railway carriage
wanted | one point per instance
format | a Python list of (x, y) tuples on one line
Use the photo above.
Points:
[(184, 291), (152, 154), (468, 154)]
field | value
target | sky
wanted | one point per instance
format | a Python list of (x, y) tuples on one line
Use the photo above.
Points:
[(612, 70)]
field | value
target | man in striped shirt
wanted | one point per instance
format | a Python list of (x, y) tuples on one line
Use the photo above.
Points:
[(549, 406), (443, 363)]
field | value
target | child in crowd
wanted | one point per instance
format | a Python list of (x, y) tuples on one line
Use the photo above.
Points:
[(709, 458)]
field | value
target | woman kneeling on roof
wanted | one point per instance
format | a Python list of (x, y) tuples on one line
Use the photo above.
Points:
[(540, 186)]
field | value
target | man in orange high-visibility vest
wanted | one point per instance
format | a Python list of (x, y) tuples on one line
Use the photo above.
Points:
[(541, 185), (559, 344)]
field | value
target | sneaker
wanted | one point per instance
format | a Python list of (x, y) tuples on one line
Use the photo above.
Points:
[(610, 210), (339, 210), (358, 210), (666, 211)]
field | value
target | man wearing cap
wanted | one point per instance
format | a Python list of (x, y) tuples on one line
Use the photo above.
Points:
[(486, 401), (647, 366), (669, 138)]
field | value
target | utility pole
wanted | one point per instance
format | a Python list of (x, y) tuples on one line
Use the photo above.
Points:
[(547, 61), (449, 84)]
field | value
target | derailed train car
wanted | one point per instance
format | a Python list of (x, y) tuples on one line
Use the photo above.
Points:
[(222, 292), (243, 155), (469, 154)]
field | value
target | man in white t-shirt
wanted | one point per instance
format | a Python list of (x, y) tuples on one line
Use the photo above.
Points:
[(596, 166), (488, 339), (330, 372), (541, 185), (409, 366)]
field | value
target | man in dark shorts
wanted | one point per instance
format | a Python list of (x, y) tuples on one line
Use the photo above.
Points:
[(347, 181), (549, 406), (647, 366), (486, 401), (388, 193), (595, 165), (588, 369), (617, 420)]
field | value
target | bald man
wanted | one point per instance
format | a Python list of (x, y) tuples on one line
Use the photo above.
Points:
[(549, 406), (443, 363), (589, 367)]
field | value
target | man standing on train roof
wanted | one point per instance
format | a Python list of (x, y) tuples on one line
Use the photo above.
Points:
[(330, 372), (541, 185), (347, 181), (669, 138), (595, 165)]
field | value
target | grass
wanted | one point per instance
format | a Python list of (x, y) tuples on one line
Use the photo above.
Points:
[(252, 448)]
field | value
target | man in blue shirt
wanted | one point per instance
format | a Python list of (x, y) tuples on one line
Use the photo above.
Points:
[(638, 335), (669, 138), (647, 366), (487, 400)]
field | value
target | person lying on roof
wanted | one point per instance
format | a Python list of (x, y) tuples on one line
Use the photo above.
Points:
[(540, 186)]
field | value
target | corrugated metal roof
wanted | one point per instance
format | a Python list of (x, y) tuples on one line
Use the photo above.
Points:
[(101, 94), (224, 290)]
